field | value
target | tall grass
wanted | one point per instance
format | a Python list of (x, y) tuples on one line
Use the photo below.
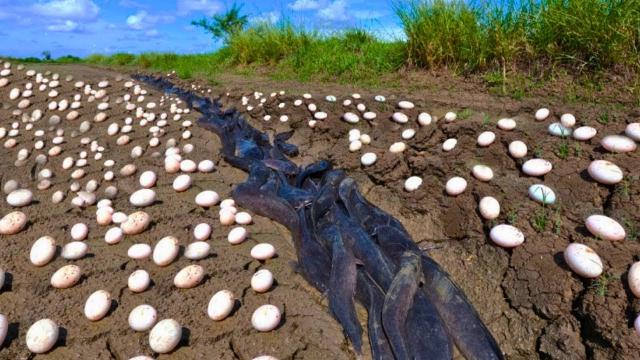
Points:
[(471, 36)]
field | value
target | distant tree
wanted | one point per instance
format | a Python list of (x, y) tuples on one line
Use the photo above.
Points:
[(223, 26), (46, 55)]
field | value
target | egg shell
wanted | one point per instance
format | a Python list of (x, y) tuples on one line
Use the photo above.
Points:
[(182, 183), (142, 197), (489, 207), (618, 144), (517, 149), (188, 166), (20, 198), (136, 223), (265, 357), (556, 129), (568, 120), (4, 328), (449, 144), (243, 218), (197, 250), (584, 133), (634, 279), (368, 159), (542, 114), (207, 198), (482, 172), (583, 260), (202, 231), (486, 138), (113, 236), (424, 119), (139, 281), (97, 305), (412, 183), (227, 216), (506, 124), (165, 336), (507, 236), (139, 251), (221, 305), (605, 172), (633, 131), (43, 251), (165, 251), (263, 251), (66, 277), (605, 228), (42, 336), (400, 118), (397, 147), (406, 105), (536, 167), (262, 281), (206, 166), (450, 116), (456, 186), (542, 194), (104, 216), (74, 250), (79, 231), (266, 318), (189, 277), (350, 117), (142, 317), (237, 235)]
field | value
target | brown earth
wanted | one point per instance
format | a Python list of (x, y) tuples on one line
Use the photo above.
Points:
[(533, 304)]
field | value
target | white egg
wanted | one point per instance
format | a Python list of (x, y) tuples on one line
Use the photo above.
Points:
[(489, 207), (507, 124), (237, 235), (75, 250), (206, 166), (636, 324), (79, 231), (456, 186), (486, 138), (355, 145), (142, 317), (482, 172), (143, 197), (633, 131), (542, 194), (400, 118), (220, 305), (517, 149), (66, 277), (408, 134), (412, 183), (568, 120), (542, 114), (42, 336), (113, 236), (350, 117), (227, 216), (197, 250), (556, 129), (263, 251), (583, 260), (368, 159), (139, 281), (605, 172), (262, 281), (136, 223), (424, 119), (618, 143), (243, 218), (450, 116), (633, 279), (536, 167), (42, 251), (506, 236), (188, 166), (148, 179), (584, 133), (202, 231), (12, 223), (449, 144), (139, 251), (97, 305), (165, 251), (266, 318), (406, 105), (182, 183), (189, 277), (605, 228), (4, 327), (207, 198), (397, 147), (165, 336), (20, 198), (104, 216)]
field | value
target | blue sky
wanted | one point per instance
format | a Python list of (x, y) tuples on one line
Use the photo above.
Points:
[(82, 27)]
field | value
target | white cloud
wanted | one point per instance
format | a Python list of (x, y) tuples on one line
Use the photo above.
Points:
[(152, 33), (66, 26), (208, 7), (305, 5), (143, 20), (67, 9), (336, 11), (271, 17)]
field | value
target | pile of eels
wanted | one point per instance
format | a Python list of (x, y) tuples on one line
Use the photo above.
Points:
[(347, 248)]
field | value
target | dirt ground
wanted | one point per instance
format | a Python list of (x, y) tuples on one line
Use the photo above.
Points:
[(531, 301)]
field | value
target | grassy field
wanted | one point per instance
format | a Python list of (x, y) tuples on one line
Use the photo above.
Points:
[(500, 40)]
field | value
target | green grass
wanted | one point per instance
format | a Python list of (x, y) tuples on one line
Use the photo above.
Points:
[(563, 150), (601, 284), (540, 219)]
